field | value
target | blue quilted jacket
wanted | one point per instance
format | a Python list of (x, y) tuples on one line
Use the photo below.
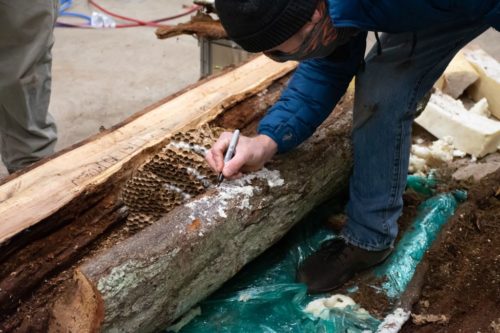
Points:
[(318, 84)]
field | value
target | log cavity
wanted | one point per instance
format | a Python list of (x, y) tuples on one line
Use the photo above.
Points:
[(170, 178)]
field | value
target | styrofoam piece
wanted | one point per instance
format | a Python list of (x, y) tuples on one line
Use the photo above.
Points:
[(394, 321), (488, 85), (457, 77), (471, 133), (321, 307), (443, 149), (417, 165), (481, 108), (423, 157)]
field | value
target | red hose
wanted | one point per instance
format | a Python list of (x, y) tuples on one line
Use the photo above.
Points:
[(135, 22), (153, 23)]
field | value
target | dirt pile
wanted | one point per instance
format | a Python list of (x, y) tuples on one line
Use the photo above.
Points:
[(462, 283)]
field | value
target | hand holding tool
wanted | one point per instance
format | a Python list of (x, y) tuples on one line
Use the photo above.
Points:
[(229, 153)]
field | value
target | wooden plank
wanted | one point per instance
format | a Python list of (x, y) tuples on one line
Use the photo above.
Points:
[(41, 192)]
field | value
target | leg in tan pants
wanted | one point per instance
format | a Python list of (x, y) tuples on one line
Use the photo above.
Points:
[(27, 131)]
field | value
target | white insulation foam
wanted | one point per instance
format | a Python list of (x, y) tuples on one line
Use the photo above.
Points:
[(393, 322)]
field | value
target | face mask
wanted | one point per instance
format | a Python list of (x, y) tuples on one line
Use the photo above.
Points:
[(321, 41)]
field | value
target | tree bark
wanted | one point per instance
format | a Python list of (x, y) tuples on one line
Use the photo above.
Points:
[(147, 281)]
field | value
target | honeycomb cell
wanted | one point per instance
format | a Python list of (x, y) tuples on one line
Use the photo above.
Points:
[(170, 178)]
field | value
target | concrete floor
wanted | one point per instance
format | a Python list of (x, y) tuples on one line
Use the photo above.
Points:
[(100, 77), (103, 76)]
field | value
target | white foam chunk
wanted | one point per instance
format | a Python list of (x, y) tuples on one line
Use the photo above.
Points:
[(440, 150), (443, 149), (470, 133), (421, 151), (417, 165), (488, 85), (457, 77), (481, 108), (320, 308), (394, 321)]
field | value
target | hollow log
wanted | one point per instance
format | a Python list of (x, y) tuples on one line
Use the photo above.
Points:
[(68, 206), (70, 209), (62, 182), (147, 281)]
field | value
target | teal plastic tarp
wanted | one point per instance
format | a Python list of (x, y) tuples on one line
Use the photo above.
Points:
[(264, 297)]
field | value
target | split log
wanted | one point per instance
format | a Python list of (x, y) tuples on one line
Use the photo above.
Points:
[(64, 182), (79, 197), (24, 271), (147, 281), (57, 211)]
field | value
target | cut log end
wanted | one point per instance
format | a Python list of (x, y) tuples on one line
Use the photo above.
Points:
[(79, 308)]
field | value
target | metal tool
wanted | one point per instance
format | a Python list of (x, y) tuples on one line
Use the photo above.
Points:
[(229, 153)]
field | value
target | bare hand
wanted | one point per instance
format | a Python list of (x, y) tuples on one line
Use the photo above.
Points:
[(250, 155)]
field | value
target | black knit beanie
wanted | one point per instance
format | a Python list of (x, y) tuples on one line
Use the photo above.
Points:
[(259, 25)]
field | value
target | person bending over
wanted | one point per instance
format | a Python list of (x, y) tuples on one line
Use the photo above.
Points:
[(328, 37)]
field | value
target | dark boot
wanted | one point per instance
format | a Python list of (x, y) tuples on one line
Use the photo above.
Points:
[(335, 263)]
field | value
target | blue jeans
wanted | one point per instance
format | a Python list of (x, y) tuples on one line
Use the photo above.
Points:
[(387, 92)]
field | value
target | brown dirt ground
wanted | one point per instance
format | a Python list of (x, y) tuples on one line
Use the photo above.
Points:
[(463, 279)]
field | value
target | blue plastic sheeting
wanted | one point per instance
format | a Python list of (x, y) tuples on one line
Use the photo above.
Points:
[(264, 297), (425, 186), (432, 214)]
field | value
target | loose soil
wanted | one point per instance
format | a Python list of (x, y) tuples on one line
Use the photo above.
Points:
[(461, 272), (463, 278)]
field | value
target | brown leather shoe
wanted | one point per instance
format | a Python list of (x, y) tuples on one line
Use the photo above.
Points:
[(335, 263)]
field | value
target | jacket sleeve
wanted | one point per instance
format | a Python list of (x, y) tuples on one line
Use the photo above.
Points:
[(314, 90)]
